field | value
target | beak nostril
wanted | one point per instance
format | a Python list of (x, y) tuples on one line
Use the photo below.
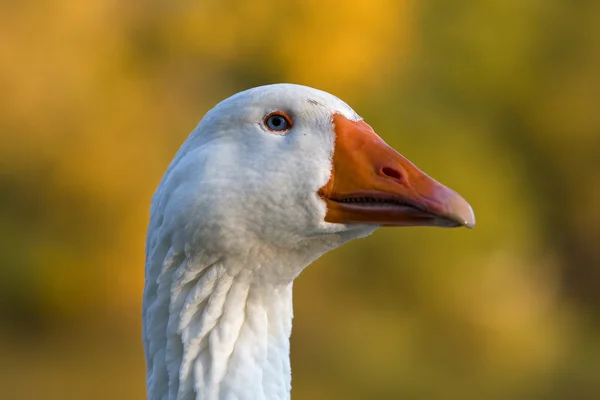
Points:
[(392, 173)]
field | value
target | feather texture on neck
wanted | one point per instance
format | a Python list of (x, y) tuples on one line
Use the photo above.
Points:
[(214, 331)]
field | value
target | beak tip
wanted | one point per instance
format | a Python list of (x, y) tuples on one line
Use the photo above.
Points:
[(461, 213), (469, 224), (469, 219)]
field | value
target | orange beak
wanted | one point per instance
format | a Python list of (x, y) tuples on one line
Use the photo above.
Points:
[(372, 183)]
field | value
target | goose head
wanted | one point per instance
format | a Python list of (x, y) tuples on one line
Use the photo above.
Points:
[(285, 163)]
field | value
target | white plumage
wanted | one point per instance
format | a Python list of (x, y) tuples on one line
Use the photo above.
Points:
[(240, 212)]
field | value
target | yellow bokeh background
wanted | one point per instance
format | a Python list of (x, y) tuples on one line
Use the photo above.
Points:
[(497, 99)]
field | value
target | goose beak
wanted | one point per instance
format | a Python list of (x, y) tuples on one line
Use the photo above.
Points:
[(372, 183)]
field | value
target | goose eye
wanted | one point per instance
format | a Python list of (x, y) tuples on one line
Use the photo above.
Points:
[(278, 122)]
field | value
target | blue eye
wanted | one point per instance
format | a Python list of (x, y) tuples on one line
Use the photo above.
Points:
[(278, 122)]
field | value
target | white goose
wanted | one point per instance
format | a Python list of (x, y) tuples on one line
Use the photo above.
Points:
[(271, 179)]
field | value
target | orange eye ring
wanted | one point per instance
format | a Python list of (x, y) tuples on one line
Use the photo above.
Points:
[(278, 122)]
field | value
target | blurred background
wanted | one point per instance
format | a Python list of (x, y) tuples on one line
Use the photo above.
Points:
[(497, 99)]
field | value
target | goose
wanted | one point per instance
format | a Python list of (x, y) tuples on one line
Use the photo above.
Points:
[(269, 180)]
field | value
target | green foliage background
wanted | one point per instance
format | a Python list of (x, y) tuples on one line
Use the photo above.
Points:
[(498, 99)]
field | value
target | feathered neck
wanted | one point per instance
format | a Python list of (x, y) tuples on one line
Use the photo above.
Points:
[(214, 331), (217, 307)]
